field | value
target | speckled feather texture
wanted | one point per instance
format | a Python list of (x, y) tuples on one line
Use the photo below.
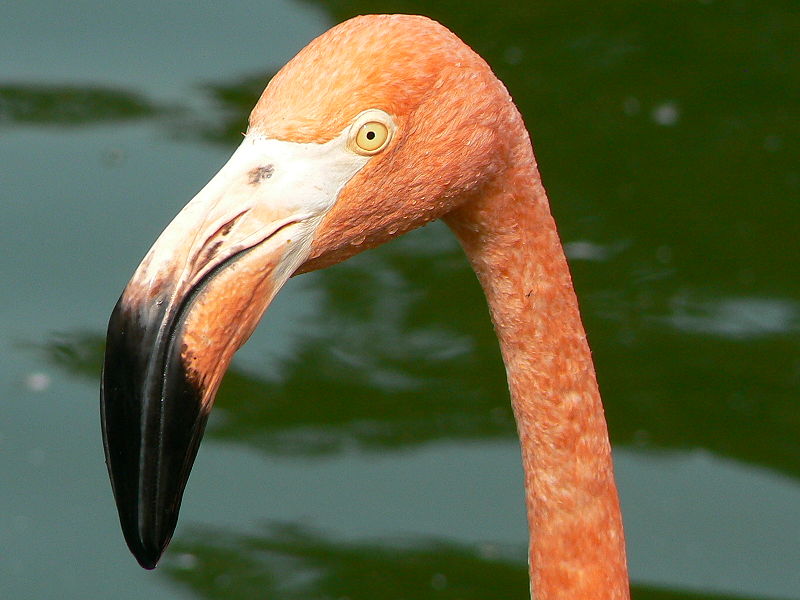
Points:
[(577, 547), (462, 152)]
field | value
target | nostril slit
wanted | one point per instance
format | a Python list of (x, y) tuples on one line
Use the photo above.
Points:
[(214, 243), (260, 174), (226, 228), (212, 250)]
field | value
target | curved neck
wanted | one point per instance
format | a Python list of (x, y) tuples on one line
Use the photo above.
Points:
[(577, 548)]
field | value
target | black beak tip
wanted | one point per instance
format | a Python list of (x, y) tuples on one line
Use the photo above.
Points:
[(153, 419), (148, 534), (147, 555), (146, 540), (149, 565)]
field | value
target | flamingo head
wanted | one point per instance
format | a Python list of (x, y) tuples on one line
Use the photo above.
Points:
[(380, 125)]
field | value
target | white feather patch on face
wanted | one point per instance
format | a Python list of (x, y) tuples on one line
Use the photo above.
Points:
[(266, 184), (305, 178)]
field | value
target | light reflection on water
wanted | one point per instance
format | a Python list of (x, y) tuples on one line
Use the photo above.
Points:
[(709, 519), (694, 521), (738, 318)]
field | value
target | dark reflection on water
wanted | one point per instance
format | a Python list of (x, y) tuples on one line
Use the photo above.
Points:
[(233, 101), (291, 562), (287, 561), (389, 363), (71, 105)]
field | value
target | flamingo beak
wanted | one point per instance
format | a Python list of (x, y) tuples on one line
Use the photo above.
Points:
[(193, 301)]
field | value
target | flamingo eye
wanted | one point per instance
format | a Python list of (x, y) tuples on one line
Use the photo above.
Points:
[(371, 132), (371, 138)]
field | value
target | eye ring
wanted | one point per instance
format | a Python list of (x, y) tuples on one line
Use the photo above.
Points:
[(371, 132), (372, 137)]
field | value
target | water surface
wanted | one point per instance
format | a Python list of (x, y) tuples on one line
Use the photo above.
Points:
[(363, 445)]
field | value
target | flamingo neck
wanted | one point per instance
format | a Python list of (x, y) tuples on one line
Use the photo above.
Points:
[(577, 547)]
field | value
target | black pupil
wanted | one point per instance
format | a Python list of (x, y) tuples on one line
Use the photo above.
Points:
[(370, 135)]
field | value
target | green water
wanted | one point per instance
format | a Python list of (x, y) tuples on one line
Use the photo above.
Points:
[(362, 445)]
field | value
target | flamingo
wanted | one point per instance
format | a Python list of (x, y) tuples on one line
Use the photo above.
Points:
[(379, 126)]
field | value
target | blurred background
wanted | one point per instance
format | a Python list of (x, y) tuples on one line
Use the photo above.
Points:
[(363, 445)]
